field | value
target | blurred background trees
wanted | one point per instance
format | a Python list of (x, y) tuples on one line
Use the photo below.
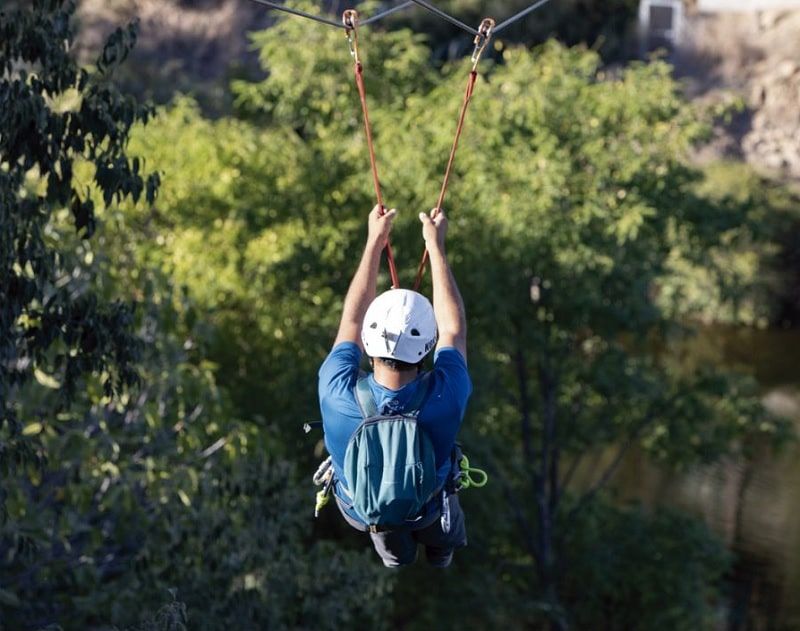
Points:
[(584, 241)]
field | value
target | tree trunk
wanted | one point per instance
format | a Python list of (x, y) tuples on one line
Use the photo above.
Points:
[(547, 494), (542, 463)]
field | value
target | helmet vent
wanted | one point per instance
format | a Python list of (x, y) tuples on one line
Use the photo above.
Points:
[(374, 325), (414, 332)]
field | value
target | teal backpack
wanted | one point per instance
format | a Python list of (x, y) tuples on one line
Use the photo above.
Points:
[(389, 464)]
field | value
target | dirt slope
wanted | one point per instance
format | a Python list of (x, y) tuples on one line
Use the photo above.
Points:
[(184, 45), (758, 56)]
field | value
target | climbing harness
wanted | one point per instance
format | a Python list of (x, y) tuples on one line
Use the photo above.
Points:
[(482, 37)]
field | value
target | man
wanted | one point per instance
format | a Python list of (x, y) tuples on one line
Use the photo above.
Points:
[(399, 330)]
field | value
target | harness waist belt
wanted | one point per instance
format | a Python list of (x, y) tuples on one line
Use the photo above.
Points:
[(415, 525)]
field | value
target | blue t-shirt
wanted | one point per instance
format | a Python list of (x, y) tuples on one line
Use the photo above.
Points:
[(440, 415)]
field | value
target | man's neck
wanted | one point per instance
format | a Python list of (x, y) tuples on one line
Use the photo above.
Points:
[(393, 379)]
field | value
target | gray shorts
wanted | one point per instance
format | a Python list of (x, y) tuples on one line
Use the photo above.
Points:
[(399, 547)]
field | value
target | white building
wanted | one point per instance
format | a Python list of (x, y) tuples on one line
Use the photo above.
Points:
[(662, 23), (716, 6)]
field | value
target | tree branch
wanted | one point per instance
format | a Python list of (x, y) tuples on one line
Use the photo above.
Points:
[(573, 467), (611, 469), (607, 474), (524, 404), (522, 522), (547, 487)]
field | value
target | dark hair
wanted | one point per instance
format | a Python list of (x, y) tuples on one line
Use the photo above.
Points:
[(396, 364)]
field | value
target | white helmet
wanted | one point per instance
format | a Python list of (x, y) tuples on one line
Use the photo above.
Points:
[(399, 324)]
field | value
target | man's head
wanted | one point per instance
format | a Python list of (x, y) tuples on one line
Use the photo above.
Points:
[(399, 328)]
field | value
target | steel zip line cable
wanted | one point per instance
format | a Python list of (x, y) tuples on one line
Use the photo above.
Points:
[(465, 27), (302, 14), (445, 16), (404, 5), (328, 22), (383, 14), (514, 18)]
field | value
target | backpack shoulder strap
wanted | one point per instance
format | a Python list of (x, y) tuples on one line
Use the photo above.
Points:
[(365, 398)]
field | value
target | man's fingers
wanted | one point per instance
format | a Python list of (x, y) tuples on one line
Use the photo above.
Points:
[(380, 211), (424, 218)]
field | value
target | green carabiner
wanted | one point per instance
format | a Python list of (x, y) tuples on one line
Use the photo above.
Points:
[(467, 472)]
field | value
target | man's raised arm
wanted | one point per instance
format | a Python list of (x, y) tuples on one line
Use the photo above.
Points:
[(363, 286), (447, 303)]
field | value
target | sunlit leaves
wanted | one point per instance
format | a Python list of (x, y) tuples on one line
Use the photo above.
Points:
[(573, 214), (54, 116)]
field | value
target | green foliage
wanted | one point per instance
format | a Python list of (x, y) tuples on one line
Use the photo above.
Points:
[(170, 617), (53, 117), (572, 198), (163, 490), (267, 231), (578, 234), (629, 570), (138, 490), (623, 568), (749, 277)]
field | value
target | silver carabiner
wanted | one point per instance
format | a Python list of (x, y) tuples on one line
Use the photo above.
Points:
[(482, 40)]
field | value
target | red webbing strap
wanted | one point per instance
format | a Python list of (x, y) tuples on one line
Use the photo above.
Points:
[(473, 75), (362, 93)]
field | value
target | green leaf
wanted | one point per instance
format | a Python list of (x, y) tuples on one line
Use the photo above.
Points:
[(48, 381), (184, 498), (32, 429)]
